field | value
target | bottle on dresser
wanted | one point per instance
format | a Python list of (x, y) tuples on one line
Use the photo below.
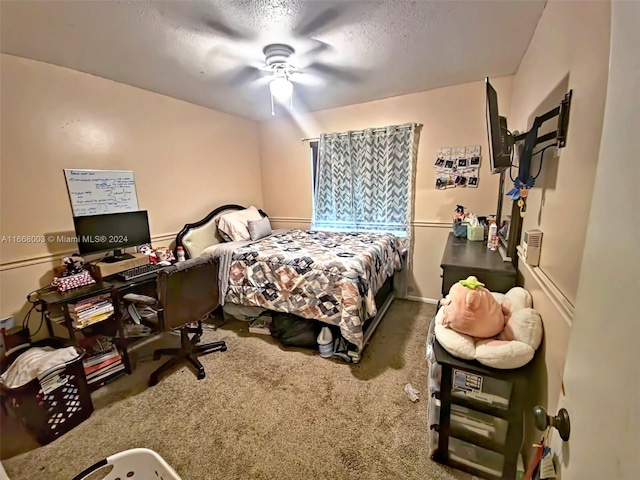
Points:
[(492, 241)]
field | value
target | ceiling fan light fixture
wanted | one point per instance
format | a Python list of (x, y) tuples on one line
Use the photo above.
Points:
[(281, 88)]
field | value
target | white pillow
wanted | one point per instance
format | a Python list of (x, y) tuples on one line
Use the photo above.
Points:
[(235, 224)]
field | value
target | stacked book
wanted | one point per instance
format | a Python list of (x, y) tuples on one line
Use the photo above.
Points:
[(91, 310), (102, 361)]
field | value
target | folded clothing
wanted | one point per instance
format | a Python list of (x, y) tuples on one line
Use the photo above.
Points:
[(34, 363)]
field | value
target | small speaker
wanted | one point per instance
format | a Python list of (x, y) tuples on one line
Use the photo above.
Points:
[(531, 244)]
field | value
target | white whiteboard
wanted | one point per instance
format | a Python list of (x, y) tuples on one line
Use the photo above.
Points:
[(94, 192)]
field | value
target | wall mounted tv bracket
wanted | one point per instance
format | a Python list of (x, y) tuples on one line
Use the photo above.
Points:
[(531, 138)]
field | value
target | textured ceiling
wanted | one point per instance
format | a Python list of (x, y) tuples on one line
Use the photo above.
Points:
[(351, 51)]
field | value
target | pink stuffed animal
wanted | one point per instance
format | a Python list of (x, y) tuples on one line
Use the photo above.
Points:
[(471, 309)]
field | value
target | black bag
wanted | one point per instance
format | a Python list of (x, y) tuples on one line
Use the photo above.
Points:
[(294, 331)]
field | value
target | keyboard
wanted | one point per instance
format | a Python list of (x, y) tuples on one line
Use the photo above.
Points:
[(141, 271)]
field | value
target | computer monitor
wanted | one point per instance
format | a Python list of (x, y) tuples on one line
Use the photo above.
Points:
[(112, 231), (500, 140)]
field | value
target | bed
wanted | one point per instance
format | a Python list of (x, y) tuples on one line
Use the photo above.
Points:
[(343, 279)]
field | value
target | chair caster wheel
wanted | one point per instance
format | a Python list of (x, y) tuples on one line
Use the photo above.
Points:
[(201, 374), (223, 348)]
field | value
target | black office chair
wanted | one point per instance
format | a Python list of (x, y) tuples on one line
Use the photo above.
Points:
[(187, 291)]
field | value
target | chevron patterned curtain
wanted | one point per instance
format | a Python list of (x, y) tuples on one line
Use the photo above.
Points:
[(365, 180)]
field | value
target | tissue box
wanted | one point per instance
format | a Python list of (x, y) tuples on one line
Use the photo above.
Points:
[(475, 234)]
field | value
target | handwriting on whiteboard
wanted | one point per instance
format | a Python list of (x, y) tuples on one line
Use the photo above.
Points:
[(95, 192)]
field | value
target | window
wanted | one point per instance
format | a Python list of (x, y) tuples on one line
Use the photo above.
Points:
[(363, 180), (313, 148)]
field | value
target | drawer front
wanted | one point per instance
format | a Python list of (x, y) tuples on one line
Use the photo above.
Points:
[(476, 457), (480, 388), (470, 422), (495, 283)]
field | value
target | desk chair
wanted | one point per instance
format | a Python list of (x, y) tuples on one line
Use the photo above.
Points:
[(187, 291)]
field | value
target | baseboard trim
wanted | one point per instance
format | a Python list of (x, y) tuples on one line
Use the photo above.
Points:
[(53, 257), (430, 301)]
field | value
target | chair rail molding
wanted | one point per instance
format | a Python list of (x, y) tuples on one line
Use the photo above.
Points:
[(52, 257), (559, 300), (415, 224)]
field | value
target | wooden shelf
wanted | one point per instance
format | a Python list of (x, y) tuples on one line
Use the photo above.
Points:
[(58, 305)]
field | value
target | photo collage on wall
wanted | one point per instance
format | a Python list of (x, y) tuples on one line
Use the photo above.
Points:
[(458, 167)]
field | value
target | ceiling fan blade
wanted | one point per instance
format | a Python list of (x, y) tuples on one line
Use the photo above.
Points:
[(337, 15), (231, 54), (318, 47), (241, 76), (340, 73), (201, 17), (262, 81), (318, 22), (301, 59), (225, 30), (307, 79)]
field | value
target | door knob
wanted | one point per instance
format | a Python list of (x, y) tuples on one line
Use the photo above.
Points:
[(560, 421)]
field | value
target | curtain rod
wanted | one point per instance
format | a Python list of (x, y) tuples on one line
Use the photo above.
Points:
[(358, 132)]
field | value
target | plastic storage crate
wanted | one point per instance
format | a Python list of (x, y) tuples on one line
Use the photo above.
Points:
[(52, 404), (137, 464)]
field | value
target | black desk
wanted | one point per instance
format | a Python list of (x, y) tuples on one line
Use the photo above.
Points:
[(462, 258), (113, 286)]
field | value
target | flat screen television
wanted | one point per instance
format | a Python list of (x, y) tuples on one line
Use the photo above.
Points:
[(500, 140), (112, 231)]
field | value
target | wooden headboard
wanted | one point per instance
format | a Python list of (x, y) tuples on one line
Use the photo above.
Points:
[(195, 237)]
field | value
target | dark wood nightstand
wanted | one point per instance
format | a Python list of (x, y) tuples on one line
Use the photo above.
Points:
[(462, 258)]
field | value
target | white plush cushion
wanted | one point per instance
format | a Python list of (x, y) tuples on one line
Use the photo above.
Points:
[(498, 296), (525, 326), (519, 298), (235, 224), (503, 354), (513, 348)]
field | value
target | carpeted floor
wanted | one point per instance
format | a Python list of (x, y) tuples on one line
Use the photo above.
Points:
[(264, 412)]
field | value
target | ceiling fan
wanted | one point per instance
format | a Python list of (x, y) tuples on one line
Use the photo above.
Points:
[(277, 62), (283, 73), (282, 65)]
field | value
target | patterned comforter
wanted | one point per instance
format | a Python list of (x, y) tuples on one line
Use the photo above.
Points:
[(327, 276)]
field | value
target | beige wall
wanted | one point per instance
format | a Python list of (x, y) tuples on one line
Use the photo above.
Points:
[(450, 116), (569, 50), (186, 160)]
